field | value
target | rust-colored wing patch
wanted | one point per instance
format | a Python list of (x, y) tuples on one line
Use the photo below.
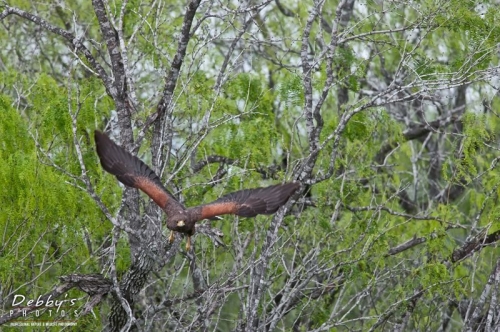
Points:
[(131, 171), (248, 202), (217, 209), (157, 194)]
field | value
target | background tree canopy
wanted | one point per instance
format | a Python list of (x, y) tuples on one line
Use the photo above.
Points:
[(387, 113)]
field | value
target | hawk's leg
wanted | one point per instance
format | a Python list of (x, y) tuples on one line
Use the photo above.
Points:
[(171, 237), (188, 243)]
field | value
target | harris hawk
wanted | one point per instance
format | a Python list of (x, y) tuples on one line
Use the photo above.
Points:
[(132, 172)]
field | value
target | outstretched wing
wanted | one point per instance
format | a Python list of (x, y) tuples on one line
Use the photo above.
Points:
[(130, 170), (249, 202)]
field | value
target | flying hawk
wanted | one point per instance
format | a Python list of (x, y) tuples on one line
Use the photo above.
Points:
[(132, 172)]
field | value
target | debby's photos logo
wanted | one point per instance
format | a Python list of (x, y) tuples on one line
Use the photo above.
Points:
[(21, 302), (44, 311)]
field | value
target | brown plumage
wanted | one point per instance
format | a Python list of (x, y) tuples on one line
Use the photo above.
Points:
[(132, 172)]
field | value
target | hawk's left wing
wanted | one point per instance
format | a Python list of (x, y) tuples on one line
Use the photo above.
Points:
[(249, 202)]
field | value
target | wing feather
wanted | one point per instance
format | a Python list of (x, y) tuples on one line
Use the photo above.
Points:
[(250, 202), (130, 170)]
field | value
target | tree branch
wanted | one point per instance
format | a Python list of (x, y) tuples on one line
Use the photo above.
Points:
[(211, 160), (477, 243), (77, 42), (175, 67)]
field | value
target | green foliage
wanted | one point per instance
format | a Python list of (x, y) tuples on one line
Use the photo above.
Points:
[(253, 122), (476, 134), (357, 127), (232, 141), (44, 218), (246, 88), (54, 108), (291, 90)]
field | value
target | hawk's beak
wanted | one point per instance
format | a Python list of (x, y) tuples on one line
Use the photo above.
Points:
[(180, 223)]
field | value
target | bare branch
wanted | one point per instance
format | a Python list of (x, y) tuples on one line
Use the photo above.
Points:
[(76, 42)]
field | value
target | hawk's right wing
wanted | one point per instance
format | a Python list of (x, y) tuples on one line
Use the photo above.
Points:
[(131, 171)]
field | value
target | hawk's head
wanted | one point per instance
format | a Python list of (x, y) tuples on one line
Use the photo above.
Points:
[(181, 222)]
